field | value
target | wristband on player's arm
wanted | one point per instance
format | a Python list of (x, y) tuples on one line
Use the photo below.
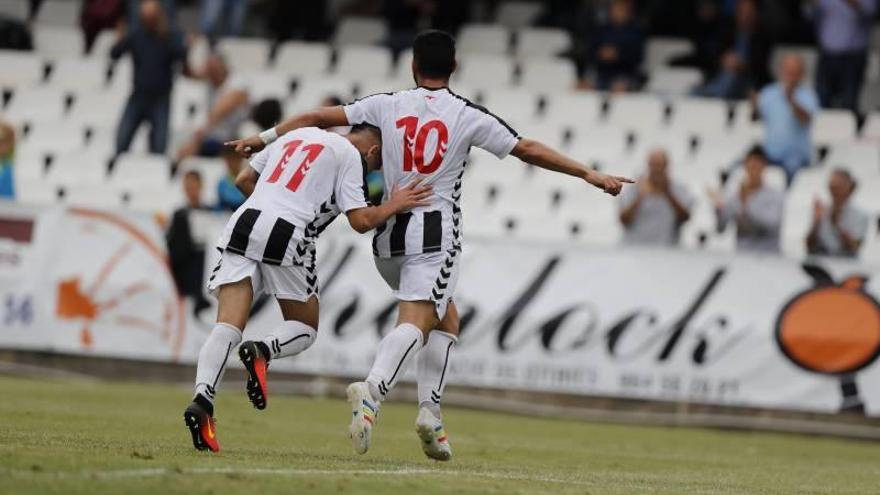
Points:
[(268, 136)]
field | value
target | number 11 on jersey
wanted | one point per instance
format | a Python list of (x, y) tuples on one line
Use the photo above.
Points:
[(414, 139), (312, 151)]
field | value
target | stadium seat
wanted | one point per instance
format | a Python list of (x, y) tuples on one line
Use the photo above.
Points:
[(722, 151), (104, 43), (363, 62), (36, 104), (79, 74), (58, 43), (137, 170), (574, 109), (675, 81), (20, 69), (871, 127), (517, 106), (57, 136), (92, 196), (488, 39), (245, 54), (700, 116), (659, 51), (79, 168), (636, 111), (403, 66), (551, 133), (484, 71), (374, 86), (773, 177), (862, 160), (360, 31), (14, 9), (746, 122), (833, 126), (188, 102), (30, 163), (603, 144), (311, 91), (62, 13), (198, 52), (38, 192), (542, 42), (162, 200), (303, 59), (97, 108), (267, 84), (548, 75), (517, 14)]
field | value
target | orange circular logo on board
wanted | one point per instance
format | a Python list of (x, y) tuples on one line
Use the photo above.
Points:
[(833, 329)]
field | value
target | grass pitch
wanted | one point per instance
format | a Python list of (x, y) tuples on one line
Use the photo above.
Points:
[(84, 437)]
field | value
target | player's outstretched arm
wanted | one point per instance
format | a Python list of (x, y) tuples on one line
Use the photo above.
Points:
[(402, 199), (323, 117), (543, 156)]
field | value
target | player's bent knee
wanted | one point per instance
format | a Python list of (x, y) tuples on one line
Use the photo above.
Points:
[(306, 312)]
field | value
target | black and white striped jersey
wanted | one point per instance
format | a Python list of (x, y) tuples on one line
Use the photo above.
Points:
[(307, 177), (427, 134)]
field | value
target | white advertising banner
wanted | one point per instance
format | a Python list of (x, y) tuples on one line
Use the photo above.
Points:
[(660, 325)]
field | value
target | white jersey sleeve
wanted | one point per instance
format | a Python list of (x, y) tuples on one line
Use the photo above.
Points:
[(368, 110), (349, 190), (258, 161), (493, 134)]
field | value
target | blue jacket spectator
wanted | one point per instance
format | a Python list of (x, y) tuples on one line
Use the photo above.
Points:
[(618, 49), (228, 196), (787, 109), (156, 50), (7, 150)]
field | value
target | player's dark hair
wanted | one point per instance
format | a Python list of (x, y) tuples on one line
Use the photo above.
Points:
[(434, 54), (375, 131), (757, 151)]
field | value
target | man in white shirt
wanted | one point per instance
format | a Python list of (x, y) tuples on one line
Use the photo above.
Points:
[(428, 132), (295, 188)]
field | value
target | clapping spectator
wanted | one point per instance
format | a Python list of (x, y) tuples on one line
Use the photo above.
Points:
[(844, 33), (185, 249), (230, 13), (156, 49), (741, 65), (787, 109), (228, 103), (7, 151), (838, 229), (654, 212), (755, 208), (618, 48)]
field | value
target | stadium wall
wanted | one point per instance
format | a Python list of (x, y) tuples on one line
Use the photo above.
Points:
[(565, 323)]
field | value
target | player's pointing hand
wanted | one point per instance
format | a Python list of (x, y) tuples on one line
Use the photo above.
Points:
[(410, 196), (611, 184), (247, 146)]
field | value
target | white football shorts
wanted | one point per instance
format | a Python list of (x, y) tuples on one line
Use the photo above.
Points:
[(292, 282), (422, 277)]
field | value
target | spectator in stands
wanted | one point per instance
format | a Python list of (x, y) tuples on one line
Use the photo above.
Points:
[(228, 103), (230, 13), (755, 207), (228, 196), (741, 65), (840, 229), (654, 212), (156, 49), (787, 109), (618, 48), (7, 152), (185, 250), (844, 34)]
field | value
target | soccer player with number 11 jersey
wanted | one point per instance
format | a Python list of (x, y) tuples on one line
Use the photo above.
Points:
[(427, 133)]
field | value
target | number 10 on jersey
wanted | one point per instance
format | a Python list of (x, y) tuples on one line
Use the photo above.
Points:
[(414, 139)]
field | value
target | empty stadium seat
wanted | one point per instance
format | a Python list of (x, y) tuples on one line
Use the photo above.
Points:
[(746, 122), (97, 108), (673, 81), (56, 136), (518, 106), (701, 116), (542, 42), (79, 74), (871, 127), (163, 200), (660, 51), (550, 133), (403, 66), (104, 43), (360, 31), (92, 196), (79, 168), (310, 92), (56, 43), (137, 170), (245, 54), (833, 126), (20, 69), (636, 111), (548, 74), (267, 84), (487, 39), (363, 62), (862, 160), (373, 86), (574, 109), (14, 9), (303, 59), (484, 71), (36, 104), (62, 13), (517, 14)]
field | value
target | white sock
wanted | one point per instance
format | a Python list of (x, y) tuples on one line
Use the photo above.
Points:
[(289, 339), (395, 352), (433, 368), (212, 358)]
